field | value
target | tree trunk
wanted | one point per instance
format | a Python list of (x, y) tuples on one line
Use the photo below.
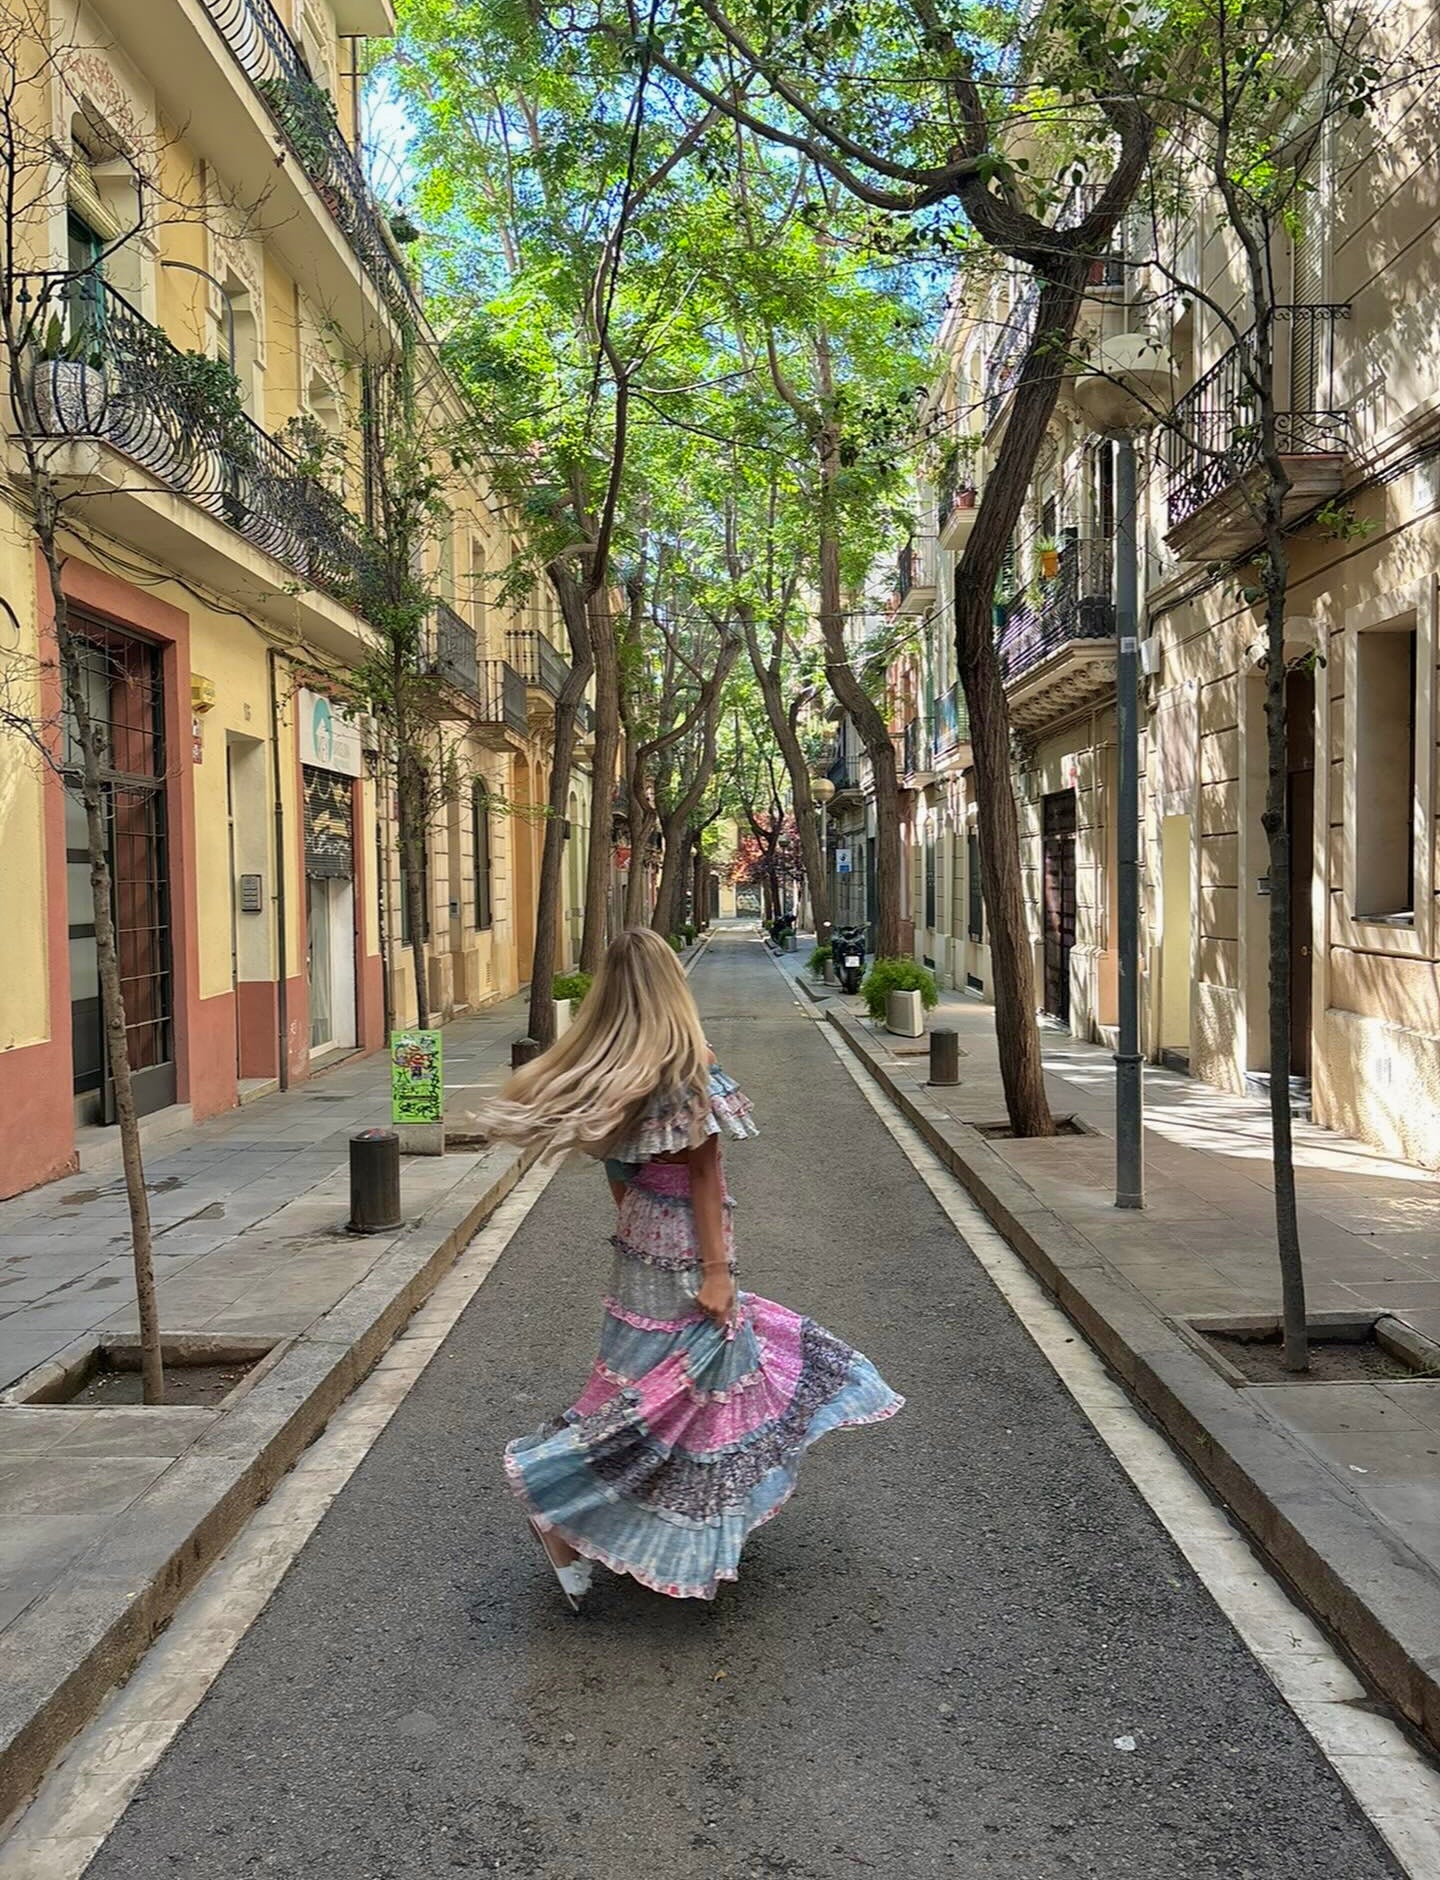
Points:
[(798, 769), (665, 918), (112, 996), (1012, 969), (602, 800), (540, 1023), (1277, 829), (642, 826)]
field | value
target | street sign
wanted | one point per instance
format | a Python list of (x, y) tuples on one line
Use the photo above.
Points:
[(417, 1082), (842, 862)]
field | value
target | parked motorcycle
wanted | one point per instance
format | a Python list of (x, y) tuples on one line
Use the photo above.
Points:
[(847, 951)]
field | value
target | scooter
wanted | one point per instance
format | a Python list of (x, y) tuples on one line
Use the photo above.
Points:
[(847, 951)]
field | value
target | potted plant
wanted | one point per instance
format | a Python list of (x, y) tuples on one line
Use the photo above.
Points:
[(67, 380), (1049, 551)]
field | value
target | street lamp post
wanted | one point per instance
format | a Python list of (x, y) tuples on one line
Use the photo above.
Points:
[(822, 790), (1130, 383)]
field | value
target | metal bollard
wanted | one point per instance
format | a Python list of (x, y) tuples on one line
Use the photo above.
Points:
[(522, 1051), (374, 1181), (944, 1057)]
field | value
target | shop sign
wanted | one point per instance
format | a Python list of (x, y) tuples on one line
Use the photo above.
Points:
[(329, 736), (417, 1083)]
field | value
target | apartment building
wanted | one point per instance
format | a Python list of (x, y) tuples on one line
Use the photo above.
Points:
[(216, 292), (1359, 365)]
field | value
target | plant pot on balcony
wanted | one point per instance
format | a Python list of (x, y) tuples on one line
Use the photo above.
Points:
[(965, 499), (1049, 564), (70, 397)]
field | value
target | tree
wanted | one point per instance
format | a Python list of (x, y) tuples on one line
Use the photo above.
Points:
[(551, 177), (934, 112)]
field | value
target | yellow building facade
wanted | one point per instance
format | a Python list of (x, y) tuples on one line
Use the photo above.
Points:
[(210, 293)]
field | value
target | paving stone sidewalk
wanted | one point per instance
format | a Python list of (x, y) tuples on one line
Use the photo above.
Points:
[(1205, 1245)]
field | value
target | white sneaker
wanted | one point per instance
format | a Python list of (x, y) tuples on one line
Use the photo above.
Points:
[(574, 1577)]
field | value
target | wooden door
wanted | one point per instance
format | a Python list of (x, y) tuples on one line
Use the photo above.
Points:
[(1300, 793), (1059, 905)]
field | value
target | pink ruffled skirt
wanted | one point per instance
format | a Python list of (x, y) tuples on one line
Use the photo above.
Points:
[(686, 1437)]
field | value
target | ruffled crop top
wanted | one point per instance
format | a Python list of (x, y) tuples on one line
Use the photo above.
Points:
[(664, 1126)]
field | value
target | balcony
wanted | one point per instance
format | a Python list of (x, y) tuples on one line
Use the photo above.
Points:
[(542, 666), (950, 729), (306, 116), (916, 577), (1212, 446), (957, 501), (912, 754), (500, 704), (134, 429), (231, 75), (844, 773), (453, 657), (1057, 649), (1007, 355)]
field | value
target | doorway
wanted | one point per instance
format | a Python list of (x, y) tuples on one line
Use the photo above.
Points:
[(121, 677), (1176, 940), (330, 909), (1300, 812), (1059, 906)]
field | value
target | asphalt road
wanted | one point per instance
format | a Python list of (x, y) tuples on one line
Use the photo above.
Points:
[(922, 1671)]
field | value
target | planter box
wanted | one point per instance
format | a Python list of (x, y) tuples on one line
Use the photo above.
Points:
[(905, 1015), (70, 397), (563, 1017)]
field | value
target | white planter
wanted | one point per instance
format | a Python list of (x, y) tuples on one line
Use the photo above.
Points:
[(564, 1017), (70, 397), (905, 1015)]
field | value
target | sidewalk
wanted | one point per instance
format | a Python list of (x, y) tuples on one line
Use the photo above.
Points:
[(108, 1515), (1339, 1481)]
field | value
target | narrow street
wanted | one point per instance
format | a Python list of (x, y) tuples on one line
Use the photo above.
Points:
[(924, 1670)]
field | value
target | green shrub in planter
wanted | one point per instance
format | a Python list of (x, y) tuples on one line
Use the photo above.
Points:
[(571, 986), (887, 976), (676, 942), (689, 930), (815, 965)]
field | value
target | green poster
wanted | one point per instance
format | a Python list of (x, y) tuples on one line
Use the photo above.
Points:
[(417, 1082)]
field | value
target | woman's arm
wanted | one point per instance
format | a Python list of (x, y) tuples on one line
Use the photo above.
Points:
[(707, 1198)]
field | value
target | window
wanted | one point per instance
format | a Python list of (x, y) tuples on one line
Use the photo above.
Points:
[(478, 594), (975, 919), (930, 882), (1385, 715), (480, 836)]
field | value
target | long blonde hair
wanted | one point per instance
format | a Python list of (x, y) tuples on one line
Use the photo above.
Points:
[(638, 1034)]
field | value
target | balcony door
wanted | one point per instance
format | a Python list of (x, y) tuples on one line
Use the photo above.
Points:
[(123, 687), (1059, 906)]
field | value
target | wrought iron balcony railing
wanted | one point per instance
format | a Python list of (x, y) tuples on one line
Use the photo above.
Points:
[(539, 663), (453, 654), (1077, 605), (1213, 437), (914, 748), (124, 384), (585, 717), (844, 773), (501, 692), (305, 114), (951, 721), (1007, 355)]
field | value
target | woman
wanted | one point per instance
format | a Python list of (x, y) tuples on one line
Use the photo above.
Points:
[(702, 1400)]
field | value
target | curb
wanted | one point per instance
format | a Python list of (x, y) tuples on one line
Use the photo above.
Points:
[(1379, 1597), (88, 1631)]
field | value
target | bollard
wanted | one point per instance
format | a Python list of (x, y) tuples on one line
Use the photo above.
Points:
[(944, 1057), (522, 1051), (374, 1181)]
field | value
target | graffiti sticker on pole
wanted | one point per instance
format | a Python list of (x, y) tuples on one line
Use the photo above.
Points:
[(417, 1081)]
